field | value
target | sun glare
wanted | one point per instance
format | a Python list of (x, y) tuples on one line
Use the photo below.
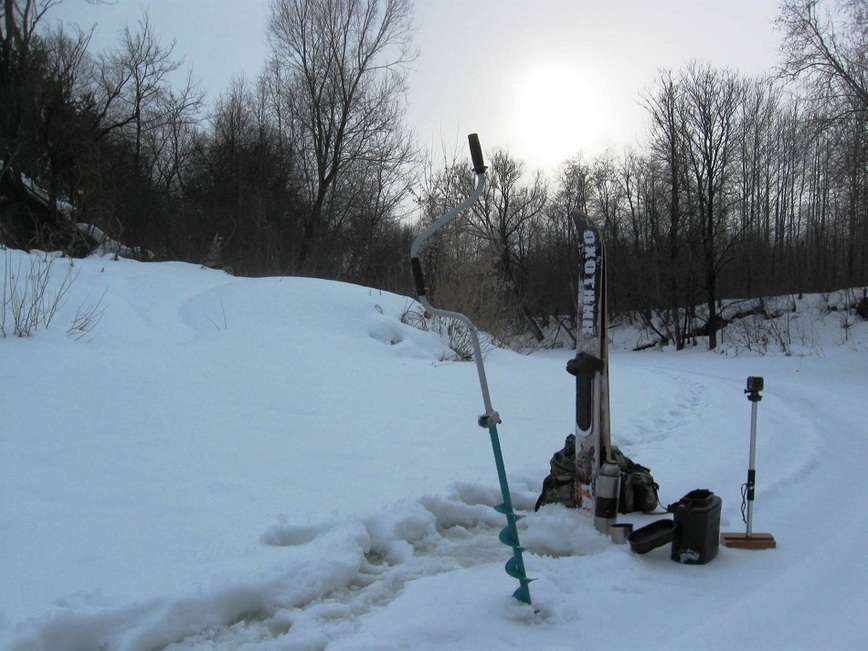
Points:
[(556, 115)]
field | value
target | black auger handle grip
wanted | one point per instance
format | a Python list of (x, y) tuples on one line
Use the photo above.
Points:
[(479, 166), (418, 277)]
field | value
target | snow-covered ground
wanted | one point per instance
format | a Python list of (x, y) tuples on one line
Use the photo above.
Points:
[(280, 463)]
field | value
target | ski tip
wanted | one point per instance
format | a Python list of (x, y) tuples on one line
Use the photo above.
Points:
[(581, 220)]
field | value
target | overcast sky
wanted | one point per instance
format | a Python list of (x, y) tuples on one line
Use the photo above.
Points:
[(543, 78)]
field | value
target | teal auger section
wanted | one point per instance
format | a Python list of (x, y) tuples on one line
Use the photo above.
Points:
[(509, 535), (515, 568)]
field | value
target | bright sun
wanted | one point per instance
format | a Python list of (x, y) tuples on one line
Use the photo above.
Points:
[(557, 114)]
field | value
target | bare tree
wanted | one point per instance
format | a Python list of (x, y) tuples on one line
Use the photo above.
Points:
[(711, 101), (138, 109), (143, 63), (667, 146), (504, 223), (828, 50), (344, 65), (608, 195), (42, 132), (826, 47), (21, 70)]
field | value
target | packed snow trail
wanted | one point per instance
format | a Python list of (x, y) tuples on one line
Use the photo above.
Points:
[(811, 447), (355, 575)]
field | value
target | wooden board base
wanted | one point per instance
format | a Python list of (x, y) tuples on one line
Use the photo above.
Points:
[(743, 541)]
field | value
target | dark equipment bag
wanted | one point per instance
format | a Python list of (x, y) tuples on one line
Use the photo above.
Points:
[(561, 486), (638, 488)]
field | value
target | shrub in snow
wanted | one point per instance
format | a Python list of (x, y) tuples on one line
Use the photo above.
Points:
[(31, 297)]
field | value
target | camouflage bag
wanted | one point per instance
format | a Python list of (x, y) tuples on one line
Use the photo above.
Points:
[(561, 487), (638, 488)]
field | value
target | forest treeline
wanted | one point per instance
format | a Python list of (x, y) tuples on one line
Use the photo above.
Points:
[(741, 187)]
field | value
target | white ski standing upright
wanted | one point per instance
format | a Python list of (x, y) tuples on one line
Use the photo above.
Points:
[(591, 365)]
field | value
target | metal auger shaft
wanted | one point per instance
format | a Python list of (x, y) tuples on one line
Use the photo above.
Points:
[(490, 419)]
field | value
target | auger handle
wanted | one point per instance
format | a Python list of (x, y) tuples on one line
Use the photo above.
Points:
[(418, 277), (479, 166)]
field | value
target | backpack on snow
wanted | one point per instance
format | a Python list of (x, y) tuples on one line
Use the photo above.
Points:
[(560, 486), (638, 488)]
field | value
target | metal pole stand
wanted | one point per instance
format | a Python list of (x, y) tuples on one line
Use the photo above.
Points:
[(750, 540)]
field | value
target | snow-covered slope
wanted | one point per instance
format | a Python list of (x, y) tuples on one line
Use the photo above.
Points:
[(227, 463)]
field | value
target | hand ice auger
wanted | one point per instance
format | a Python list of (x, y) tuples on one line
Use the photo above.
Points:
[(490, 419)]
